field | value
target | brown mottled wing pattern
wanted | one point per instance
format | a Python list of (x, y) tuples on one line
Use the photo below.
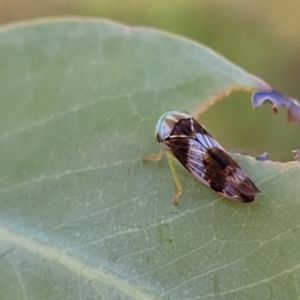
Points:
[(189, 143), (226, 177), (206, 159)]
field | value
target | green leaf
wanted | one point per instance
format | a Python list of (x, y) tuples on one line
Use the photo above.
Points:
[(83, 218)]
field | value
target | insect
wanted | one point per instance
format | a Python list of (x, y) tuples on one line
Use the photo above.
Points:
[(188, 142)]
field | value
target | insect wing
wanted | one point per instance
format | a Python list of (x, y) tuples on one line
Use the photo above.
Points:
[(207, 160), (240, 187), (226, 177), (195, 160), (189, 143), (199, 146), (205, 140)]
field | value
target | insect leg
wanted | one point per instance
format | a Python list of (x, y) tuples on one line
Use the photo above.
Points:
[(156, 158), (172, 163)]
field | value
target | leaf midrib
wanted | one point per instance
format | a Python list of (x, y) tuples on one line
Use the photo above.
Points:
[(73, 264)]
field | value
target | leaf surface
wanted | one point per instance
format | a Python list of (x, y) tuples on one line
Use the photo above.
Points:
[(83, 218)]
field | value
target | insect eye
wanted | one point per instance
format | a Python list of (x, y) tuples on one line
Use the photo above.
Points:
[(157, 137)]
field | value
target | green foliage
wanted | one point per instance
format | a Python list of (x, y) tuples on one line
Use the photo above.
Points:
[(82, 218)]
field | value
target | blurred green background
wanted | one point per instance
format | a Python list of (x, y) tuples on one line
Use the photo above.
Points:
[(263, 37)]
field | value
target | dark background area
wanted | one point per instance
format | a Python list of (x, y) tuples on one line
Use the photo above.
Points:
[(263, 37)]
